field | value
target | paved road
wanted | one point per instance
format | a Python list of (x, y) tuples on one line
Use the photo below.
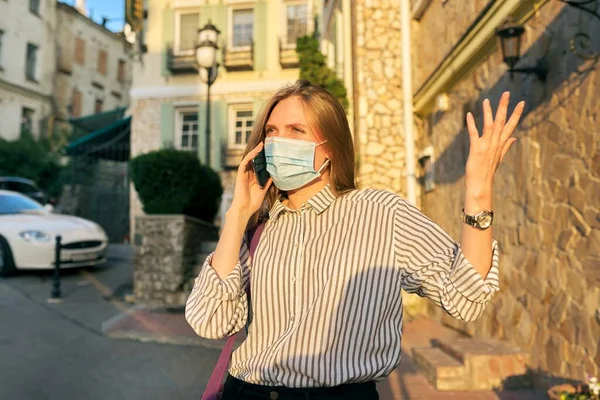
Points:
[(57, 351)]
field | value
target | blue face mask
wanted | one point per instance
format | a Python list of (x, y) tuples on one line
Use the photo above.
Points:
[(290, 162)]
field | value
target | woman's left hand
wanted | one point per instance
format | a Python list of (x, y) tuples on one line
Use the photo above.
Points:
[(486, 152)]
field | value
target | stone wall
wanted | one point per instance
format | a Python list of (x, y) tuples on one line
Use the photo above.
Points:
[(546, 198), (433, 40), (166, 251), (378, 94)]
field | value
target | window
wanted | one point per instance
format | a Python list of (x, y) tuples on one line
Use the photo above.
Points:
[(76, 103), (31, 61), (34, 6), (186, 32), (188, 129), (102, 57), (241, 120), (121, 71), (27, 120), (243, 27), (297, 22), (1, 38), (80, 51), (98, 106)]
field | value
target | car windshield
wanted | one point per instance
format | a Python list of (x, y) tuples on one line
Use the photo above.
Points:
[(14, 204)]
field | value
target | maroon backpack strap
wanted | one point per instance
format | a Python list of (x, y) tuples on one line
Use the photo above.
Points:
[(214, 387)]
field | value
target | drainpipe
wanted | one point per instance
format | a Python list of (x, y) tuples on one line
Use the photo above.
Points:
[(409, 142)]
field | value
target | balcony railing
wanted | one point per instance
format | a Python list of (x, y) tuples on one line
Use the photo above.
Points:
[(181, 64), (238, 59), (288, 58)]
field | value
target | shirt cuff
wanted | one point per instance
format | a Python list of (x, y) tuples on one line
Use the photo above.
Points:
[(469, 282), (211, 285)]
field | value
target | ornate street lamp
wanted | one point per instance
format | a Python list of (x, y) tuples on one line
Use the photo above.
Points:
[(510, 42), (206, 57)]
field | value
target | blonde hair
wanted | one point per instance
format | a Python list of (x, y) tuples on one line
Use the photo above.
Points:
[(327, 118)]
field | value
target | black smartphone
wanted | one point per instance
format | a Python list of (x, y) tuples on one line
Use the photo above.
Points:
[(259, 163)]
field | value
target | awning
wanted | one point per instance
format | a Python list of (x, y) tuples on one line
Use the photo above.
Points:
[(91, 123), (110, 142)]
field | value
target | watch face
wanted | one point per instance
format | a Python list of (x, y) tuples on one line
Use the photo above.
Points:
[(485, 220)]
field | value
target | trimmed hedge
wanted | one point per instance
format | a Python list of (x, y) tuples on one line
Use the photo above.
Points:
[(174, 182)]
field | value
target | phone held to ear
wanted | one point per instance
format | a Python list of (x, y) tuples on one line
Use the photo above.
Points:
[(259, 163)]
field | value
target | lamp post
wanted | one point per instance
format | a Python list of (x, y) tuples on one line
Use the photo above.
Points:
[(510, 42), (206, 57)]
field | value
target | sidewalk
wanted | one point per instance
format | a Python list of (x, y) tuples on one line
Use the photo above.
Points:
[(405, 383)]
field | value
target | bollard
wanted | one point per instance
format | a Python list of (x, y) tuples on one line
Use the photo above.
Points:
[(56, 279)]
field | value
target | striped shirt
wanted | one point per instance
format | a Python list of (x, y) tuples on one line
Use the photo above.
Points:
[(326, 289)]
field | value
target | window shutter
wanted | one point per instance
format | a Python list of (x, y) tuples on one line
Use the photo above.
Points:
[(219, 134), (167, 35), (261, 42), (167, 125)]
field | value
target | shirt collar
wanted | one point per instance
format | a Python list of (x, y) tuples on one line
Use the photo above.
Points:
[(319, 202)]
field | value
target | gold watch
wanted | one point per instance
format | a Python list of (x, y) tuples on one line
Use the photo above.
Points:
[(481, 221)]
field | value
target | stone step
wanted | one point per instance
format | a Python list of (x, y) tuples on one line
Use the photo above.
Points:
[(441, 370), (488, 364)]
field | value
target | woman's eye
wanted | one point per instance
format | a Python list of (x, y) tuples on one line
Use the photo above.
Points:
[(298, 130)]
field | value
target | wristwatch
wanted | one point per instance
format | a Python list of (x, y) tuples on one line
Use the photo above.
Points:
[(481, 221)]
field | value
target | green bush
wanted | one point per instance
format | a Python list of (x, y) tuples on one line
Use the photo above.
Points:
[(174, 182), (33, 159), (314, 69)]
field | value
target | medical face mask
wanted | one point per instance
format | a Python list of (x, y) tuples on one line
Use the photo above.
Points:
[(290, 162)]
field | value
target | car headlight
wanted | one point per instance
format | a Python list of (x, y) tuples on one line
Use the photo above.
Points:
[(35, 236)]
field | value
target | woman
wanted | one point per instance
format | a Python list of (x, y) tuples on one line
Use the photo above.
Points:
[(332, 260)]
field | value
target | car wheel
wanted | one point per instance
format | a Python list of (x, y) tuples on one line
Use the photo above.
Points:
[(7, 264)]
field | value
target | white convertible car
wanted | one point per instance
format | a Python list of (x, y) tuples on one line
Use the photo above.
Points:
[(28, 237)]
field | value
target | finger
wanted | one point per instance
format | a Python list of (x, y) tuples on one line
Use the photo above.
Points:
[(251, 154), (512, 123), (488, 120), (507, 145), (472, 128), (500, 119), (268, 185)]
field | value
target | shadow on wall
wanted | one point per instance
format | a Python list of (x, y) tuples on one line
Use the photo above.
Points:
[(567, 73)]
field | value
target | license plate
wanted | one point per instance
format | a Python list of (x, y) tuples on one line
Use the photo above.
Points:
[(83, 257)]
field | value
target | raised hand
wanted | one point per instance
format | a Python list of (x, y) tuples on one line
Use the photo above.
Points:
[(486, 151)]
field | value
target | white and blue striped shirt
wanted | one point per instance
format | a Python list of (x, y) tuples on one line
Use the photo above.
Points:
[(326, 289)]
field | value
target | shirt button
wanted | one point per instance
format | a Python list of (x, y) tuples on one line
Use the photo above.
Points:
[(292, 318), (296, 245), (293, 279), (273, 395)]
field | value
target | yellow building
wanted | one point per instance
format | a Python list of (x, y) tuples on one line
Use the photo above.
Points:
[(256, 57)]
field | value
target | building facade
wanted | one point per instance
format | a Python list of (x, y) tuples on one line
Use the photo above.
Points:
[(93, 67), (257, 57), (27, 59), (56, 64), (547, 192)]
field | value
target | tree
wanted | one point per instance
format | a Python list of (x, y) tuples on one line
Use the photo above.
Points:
[(33, 159), (314, 69)]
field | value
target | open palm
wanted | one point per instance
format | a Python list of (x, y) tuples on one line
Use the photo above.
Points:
[(486, 151)]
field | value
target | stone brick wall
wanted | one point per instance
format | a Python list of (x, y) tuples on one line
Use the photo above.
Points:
[(378, 89), (166, 250), (432, 40), (546, 198)]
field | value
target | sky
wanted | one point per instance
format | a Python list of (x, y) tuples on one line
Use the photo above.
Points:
[(105, 8)]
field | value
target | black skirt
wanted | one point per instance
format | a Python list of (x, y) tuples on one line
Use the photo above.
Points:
[(236, 389)]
